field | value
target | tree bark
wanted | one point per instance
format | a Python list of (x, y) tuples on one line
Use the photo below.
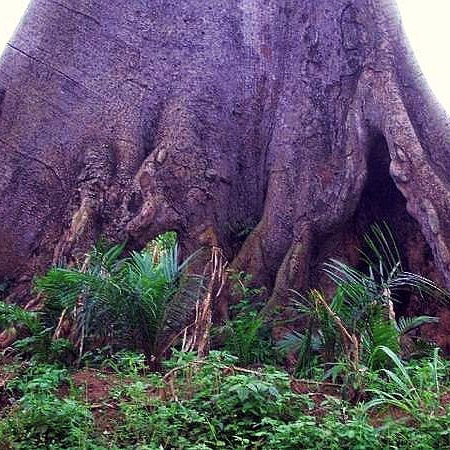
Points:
[(274, 129)]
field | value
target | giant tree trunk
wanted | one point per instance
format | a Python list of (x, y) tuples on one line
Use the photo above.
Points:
[(275, 129)]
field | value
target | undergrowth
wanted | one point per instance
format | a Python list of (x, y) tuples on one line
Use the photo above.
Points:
[(213, 404), (81, 372)]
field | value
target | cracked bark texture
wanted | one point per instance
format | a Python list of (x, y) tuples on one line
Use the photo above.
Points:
[(275, 129)]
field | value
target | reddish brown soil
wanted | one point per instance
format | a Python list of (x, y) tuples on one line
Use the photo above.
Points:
[(445, 399), (306, 387), (97, 391), (97, 385)]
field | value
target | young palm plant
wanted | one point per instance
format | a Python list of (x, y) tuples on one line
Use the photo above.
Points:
[(124, 300), (360, 317)]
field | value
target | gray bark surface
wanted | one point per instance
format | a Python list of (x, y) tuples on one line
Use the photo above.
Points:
[(275, 129)]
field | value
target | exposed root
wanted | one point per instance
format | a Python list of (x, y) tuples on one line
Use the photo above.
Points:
[(200, 338)]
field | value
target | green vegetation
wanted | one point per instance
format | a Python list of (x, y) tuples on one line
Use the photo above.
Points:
[(247, 334), (211, 404), (348, 333), (41, 418), (82, 372), (126, 300)]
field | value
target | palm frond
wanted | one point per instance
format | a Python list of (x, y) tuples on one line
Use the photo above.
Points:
[(352, 281), (383, 256), (380, 331), (407, 324), (419, 284), (169, 264), (124, 297), (291, 342), (14, 315), (111, 256)]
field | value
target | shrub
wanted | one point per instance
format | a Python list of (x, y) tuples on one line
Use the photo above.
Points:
[(34, 337), (46, 421), (40, 419), (360, 317), (128, 300)]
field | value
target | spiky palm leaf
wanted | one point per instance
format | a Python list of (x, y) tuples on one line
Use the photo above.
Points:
[(364, 303), (14, 316), (120, 298), (321, 335), (292, 342), (379, 330), (386, 276), (407, 324)]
